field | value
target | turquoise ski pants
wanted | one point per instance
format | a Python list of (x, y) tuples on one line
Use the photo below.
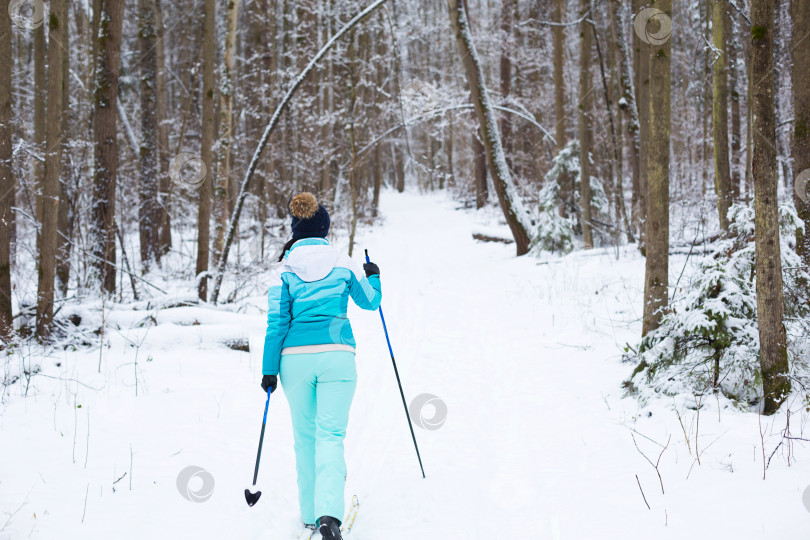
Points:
[(319, 388)]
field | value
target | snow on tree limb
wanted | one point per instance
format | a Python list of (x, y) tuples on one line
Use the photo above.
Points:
[(512, 206), (436, 112)]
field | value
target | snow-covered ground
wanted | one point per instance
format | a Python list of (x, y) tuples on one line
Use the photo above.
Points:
[(525, 355)]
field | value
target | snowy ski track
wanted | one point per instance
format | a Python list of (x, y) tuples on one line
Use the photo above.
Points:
[(524, 353)]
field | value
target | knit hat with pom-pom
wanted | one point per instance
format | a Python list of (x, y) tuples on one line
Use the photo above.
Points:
[(309, 218)]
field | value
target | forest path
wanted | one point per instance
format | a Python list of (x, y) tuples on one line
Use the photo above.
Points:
[(519, 354), (523, 353)]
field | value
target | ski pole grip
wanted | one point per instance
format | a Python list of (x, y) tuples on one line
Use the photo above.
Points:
[(367, 259)]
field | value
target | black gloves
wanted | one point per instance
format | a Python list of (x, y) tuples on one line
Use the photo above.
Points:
[(371, 269), (269, 381)]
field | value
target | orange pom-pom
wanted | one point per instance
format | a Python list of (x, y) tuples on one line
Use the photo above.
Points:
[(304, 205)]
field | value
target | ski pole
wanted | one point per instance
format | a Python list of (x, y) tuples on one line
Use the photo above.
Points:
[(399, 383), (253, 498)]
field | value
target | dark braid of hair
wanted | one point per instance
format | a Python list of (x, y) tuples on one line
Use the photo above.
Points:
[(287, 246)]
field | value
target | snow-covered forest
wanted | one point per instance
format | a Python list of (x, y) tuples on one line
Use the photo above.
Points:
[(590, 219)]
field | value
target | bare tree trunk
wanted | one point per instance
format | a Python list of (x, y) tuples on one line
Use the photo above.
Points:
[(325, 109), (431, 144), (285, 147), (40, 126), (164, 153), (749, 142), (53, 158), (361, 111), (63, 225), (206, 188), (480, 166), (558, 35), (272, 83), (399, 155), (378, 96), (801, 123), (617, 129), (773, 357), (451, 175), (722, 174), (350, 126), (148, 211), (378, 177), (8, 183), (105, 97), (400, 169), (707, 97), (509, 198), (534, 85), (631, 107), (505, 66), (584, 126), (222, 195), (656, 281), (642, 50), (95, 23), (781, 61), (614, 164), (734, 94)]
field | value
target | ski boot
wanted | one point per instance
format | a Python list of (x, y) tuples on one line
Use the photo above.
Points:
[(330, 528)]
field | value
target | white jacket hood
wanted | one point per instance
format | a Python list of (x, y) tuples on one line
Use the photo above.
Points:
[(312, 262)]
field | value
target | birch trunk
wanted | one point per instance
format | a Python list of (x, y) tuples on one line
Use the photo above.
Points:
[(801, 123), (642, 50), (631, 108), (222, 195)]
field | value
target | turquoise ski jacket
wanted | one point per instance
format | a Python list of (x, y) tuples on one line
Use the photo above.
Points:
[(308, 301)]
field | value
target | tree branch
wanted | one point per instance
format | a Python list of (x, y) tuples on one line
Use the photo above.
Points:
[(257, 154)]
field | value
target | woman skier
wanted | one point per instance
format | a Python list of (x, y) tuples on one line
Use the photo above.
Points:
[(309, 343)]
